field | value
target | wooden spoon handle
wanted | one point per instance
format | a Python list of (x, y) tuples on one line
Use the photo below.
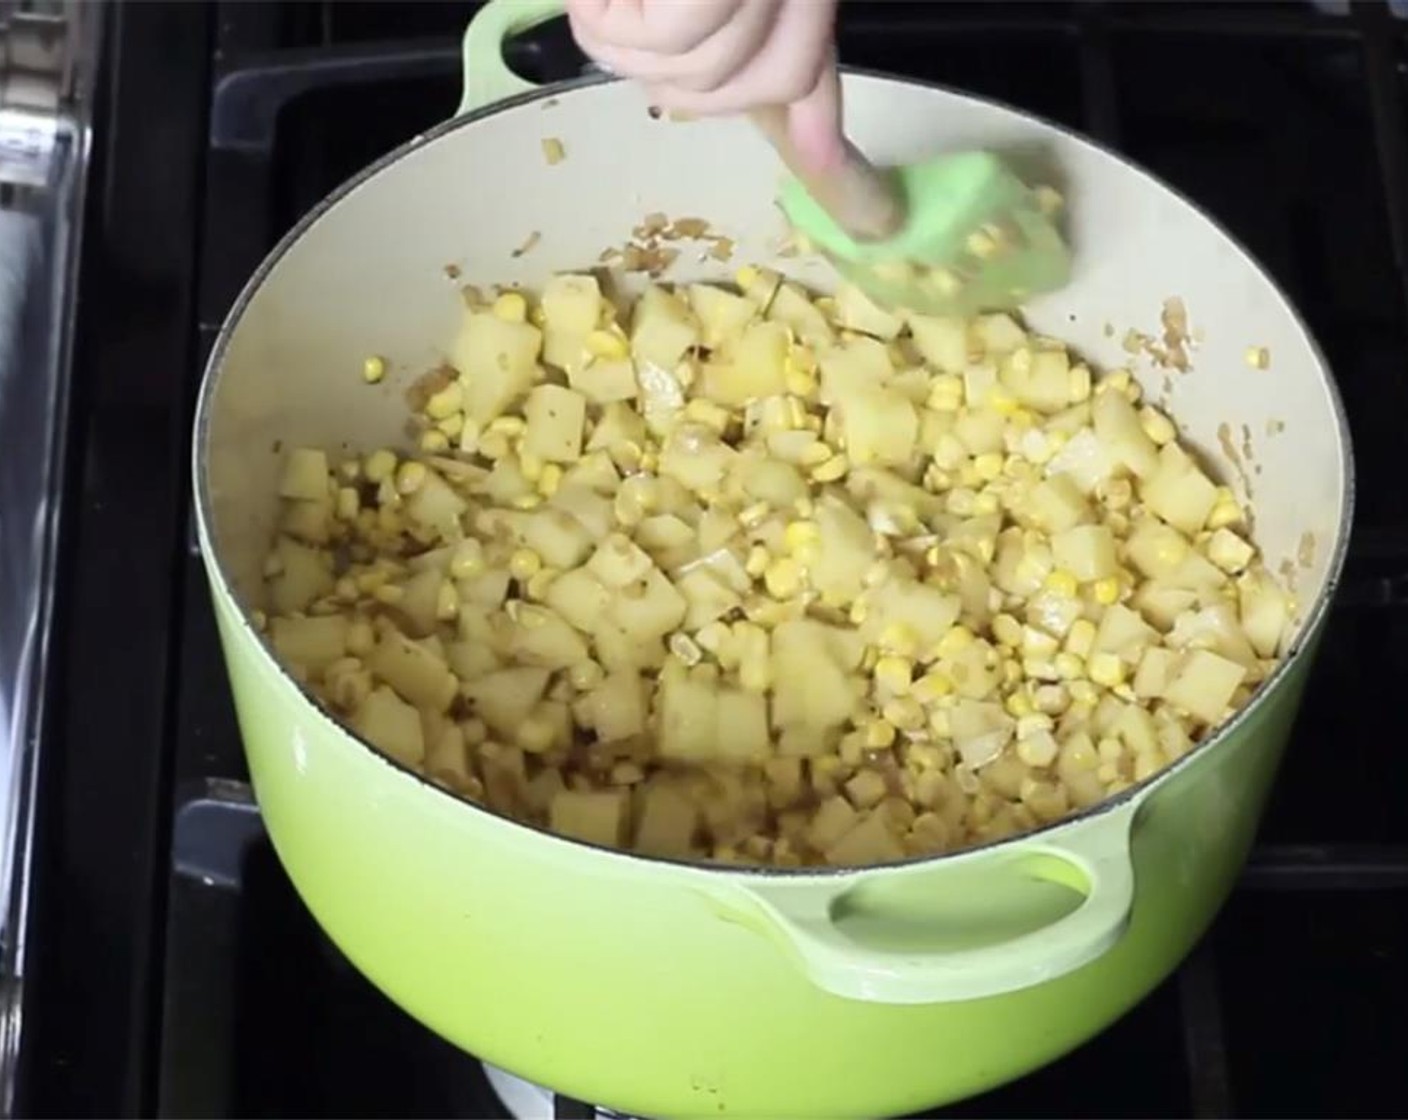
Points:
[(860, 198)]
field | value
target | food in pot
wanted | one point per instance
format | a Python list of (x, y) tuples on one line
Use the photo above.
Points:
[(755, 576)]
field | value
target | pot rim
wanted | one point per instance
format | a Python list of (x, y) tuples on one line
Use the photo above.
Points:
[(1126, 800)]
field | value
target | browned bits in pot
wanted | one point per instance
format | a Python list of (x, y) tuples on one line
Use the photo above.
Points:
[(528, 245)]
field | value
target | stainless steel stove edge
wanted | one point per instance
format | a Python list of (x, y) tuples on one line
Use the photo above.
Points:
[(48, 59)]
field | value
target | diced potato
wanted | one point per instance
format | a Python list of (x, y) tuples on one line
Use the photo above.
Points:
[(811, 692), (471, 660), (580, 598), (595, 816), (1057, 504), (1118, 429), (663, 330), (861, 363), (722, 315), (559, 538), (314, 643), (870, 841), (302, 575), (1178, 491), (504, 699), (752, 368), (856, 312), (542, 637), (707, 597), (742, 734), (696, 458), (1202, 684), (555, 416), (942, 341), (571, 305), (881, 426), (668, 822), (497, 362), (412, 670), (619, 425), (391, 725), (999, 333), (688, 711), (920, 610), (616, 708), (1085, 459), (1265, 613), (846, 552), (436, 506), (648, 609), (1123, 632), (619, 561), (305, 476), (1039, 379), (605, 380), (1086, 551), (791, 307)]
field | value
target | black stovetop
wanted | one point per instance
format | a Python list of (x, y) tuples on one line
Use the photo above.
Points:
[(177, 972)]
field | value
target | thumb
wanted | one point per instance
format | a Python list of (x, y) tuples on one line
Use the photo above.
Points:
[(814, 122)]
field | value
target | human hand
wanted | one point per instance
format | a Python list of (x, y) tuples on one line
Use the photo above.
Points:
[(710, 57)]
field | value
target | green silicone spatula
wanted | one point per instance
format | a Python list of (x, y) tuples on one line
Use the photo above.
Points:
[(954, 235)]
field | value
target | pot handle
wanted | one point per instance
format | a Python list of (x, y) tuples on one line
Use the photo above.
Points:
[(803, 918), (487, 78)]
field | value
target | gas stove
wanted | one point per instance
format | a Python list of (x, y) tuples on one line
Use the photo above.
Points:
[(176, 973)]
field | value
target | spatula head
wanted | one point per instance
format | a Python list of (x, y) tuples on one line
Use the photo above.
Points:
[(976, 238)]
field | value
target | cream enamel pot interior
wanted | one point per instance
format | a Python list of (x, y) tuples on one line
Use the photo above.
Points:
[(681, 990)]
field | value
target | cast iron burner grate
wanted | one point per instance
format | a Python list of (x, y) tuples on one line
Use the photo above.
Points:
[(211, 991)]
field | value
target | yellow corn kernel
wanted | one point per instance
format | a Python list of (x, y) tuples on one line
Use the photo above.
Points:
[(1156, 425), (470, 434), (830, 471), (1080, 639), (348, 503), (958, 639), (713, 637), (1002, 402), (524, 564), (904, 712), (1048, 200), (434, 441), (1069, 666), (1007, 630), (510, 426), (511, 307), (899, 640), (707, 413), (946, 393), (1078, 380), (1018, 704), (932, 686), (758, 560), (1117, 379), (606, 344), (494, 445), (1226, 511), (981, 244), (535, 734), (799, 382), (894, 674), (447, 602), (1038, 749), (467, 560), (1033, 722), (1106, 669), (1063, 583), (815, 454), (531, 466), (985, 504), (801, 536), (879, 734), (988, 466), (373, 369), (549, 480), (752, 516), (389, 593), (754, 670), (446, 402), (586, 675), (452, 425), (1258, 357), (783, 578), (379, 466), (746, 277), (538, 584), (1106, 591), (360, 637), (410, 476)]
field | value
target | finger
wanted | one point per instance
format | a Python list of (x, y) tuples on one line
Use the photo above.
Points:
[(723, 55), (666, 27), (702, 69), (785, 70), (814, 123)]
